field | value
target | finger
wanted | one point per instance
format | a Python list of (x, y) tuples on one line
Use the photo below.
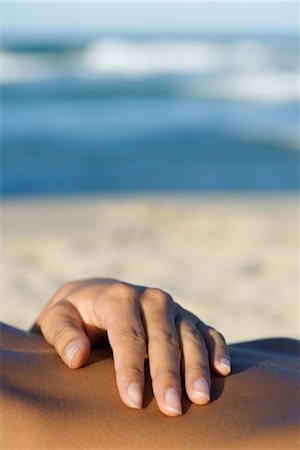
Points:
[(63, 328), (217, 348), (195, 362), (120, 315), (163, 350)]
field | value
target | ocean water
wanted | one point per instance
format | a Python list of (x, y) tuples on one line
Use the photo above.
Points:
[(124, 113)]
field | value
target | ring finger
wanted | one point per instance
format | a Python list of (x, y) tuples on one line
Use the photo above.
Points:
[(163, 351)]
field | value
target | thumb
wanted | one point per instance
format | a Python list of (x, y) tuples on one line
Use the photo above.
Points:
[(63, 327)]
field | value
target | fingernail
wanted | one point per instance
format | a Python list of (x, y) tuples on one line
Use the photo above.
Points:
[(173, 402), (70, 352), (201, 388), (134, 395), (225, 365)]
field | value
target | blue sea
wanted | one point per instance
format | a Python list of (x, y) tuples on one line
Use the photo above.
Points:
[(141, 113)]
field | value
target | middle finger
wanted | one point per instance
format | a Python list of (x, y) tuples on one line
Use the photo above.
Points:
[(121, 318)]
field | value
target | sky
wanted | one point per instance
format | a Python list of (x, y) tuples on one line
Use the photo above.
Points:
[(44, 18)]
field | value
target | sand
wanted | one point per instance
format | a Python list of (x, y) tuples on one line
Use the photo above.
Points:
[(231, 259)]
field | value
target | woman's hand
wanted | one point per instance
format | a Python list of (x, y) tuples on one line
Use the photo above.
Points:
[(137, 320)]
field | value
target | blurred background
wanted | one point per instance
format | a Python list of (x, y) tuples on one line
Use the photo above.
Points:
[(157, 143)]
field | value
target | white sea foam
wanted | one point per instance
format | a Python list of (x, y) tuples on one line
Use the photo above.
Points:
[(275, 86), (140, 58), (119, 57), (129, 58)]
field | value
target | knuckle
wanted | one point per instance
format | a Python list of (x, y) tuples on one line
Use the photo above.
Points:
[(65, 306), (160, 297), (199, 368), (223, 350), (218, 338), (193, 336), (123, 291), (132, 337), (68, 287), (170, 376), (135, 373), (165, 338), (49, 319), (222, 339), (157, 294), (211, 332)]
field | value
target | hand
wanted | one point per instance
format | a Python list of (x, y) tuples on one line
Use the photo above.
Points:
[(137, 320)]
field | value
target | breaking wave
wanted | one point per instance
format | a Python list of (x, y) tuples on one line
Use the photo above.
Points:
[(249, 70)]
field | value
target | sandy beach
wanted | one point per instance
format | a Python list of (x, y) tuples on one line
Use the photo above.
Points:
[(233, 260)]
